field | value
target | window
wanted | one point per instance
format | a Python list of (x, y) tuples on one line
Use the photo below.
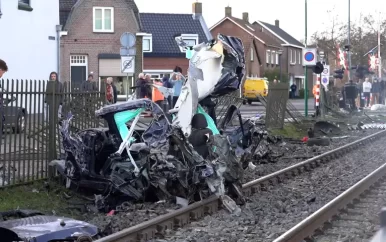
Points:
[(273, 56), (103, 19), (300, 58), (268, 56), (277, 58), (251, 54), (78, 60), (292, 56), (24, 5), (147, 43), (26, 2), (190, 40)]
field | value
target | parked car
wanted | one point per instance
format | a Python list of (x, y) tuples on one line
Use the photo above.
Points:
[(15, 116)]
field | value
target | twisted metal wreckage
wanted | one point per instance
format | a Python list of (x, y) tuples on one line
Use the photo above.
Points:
[(182, 153)]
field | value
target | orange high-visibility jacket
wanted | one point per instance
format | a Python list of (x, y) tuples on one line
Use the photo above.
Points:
[(157, 95), (314, 90)]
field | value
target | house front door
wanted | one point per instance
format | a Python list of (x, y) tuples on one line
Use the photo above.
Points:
[(78, 75)]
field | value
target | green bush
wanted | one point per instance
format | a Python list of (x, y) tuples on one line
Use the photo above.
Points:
[(271, 74)]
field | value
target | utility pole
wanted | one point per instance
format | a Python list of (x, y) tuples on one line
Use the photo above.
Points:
[(379, 48), (305, 68), (348, 42)]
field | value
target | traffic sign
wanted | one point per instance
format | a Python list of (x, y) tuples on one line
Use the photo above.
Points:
[(128, 44), (326, 76), (128, 40), (309, 57), (128, 64)]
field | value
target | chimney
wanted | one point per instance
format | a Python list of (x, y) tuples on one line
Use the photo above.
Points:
[(277, 23), (197, 8), (228, 11), (245, 17)]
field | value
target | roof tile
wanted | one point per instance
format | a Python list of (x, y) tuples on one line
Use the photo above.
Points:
[(164, 27), (287, 37), (256, 32)]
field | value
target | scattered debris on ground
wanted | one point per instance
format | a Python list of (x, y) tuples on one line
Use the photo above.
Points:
[(271, 212)]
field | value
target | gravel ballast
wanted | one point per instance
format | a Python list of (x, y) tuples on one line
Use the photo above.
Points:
[(270, 213), (282, 152)]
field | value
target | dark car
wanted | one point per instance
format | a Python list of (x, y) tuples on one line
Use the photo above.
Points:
[(15, 116)]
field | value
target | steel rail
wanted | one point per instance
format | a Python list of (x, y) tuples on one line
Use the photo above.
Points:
[(316, 220), (148, 230)]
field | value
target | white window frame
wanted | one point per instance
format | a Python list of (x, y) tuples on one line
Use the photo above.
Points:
[(277, 58), (189, 37), (252, 56), (292, 54), (103, 30), (300, 58), (268, 56), (273, 56), (150, 38)]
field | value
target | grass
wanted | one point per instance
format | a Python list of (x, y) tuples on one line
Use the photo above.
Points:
[(290, 130), (45, 197)]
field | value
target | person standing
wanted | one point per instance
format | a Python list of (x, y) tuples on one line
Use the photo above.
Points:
[(3, 70), (166, 83), (375, 90), (53, 98), (178, 82), (366, 91), (293, 90), (140, 90), (111, 91), (89, 85), (157, 96), (148, 87)]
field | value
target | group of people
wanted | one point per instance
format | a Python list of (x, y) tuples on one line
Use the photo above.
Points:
[(175, 81), (370, 92)]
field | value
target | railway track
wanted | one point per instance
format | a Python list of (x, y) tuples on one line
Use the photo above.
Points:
[(349, 217), (153, 228)]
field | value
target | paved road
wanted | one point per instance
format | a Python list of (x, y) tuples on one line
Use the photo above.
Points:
[(255, 108)]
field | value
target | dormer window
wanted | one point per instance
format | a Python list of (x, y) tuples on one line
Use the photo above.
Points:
[(147, 43), (190, 39)]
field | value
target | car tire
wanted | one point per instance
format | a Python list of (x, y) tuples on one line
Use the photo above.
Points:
[(244, 102), (249, 102), (320, 141), (20, 124)]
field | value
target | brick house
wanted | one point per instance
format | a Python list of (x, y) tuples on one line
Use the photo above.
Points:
[(255, 42), (160, 50), (292, 52), (92, 43)]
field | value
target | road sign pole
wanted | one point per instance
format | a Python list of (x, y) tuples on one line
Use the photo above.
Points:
[(127, 86), (305, 68)]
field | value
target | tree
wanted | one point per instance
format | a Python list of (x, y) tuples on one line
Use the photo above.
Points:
[(363, 38)]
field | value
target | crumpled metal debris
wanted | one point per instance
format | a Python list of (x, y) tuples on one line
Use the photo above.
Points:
[(160, 163)]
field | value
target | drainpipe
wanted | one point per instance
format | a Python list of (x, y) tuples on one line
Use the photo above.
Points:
[(58, 29)]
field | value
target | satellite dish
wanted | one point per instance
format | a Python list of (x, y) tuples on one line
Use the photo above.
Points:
[(128, 40)]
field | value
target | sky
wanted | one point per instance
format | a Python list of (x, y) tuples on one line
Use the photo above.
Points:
[(290, 13)]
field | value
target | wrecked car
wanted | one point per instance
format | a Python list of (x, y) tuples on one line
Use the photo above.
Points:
[(33, 226), (168, 160)]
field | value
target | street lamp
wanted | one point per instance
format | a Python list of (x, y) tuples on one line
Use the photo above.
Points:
[(280, 53)]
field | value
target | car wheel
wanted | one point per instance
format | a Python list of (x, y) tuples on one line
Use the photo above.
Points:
[(20, 124), (244, 102), (249, 102)]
